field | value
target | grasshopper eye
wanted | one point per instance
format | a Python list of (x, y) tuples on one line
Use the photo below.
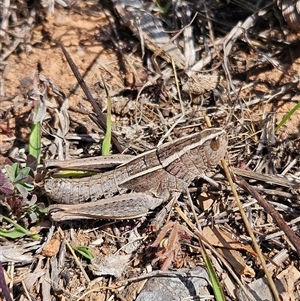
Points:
[(215, 144)]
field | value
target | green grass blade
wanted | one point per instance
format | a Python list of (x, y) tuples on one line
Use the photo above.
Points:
[(12, 234), (73, 174), (35, 141), (19, 230), (107, 139), (164, 8), (84, 251), (287, 116), (218, 292)]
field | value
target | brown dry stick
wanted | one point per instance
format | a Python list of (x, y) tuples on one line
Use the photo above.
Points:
[(295, 240)]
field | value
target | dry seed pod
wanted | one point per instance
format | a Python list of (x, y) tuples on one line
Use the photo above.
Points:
[(291, 12)]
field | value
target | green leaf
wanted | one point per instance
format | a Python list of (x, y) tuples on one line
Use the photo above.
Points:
[(84, 251), (22, 175), (27, 186), (35, 141), (107, 139), (19, 230), (12, 171), (22, 190), (287, 116), (34, 210), (13, 234), (16, 169)]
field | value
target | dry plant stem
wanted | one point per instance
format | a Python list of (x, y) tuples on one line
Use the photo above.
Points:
[(11, 270), (232, 36), (112, 289), (250, 232), (81, 82), (5, 17), (193, 209), (26, 291), (211, 248), (159, 273), (75, 256), (295, 240), (20, 38), (3, 285), (170, 130), (273, 179), (177, 87), (280, 92), (159, 50), (199, 236)]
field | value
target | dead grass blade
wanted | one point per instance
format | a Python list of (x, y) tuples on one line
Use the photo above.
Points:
[(231, 38), (273, 179), (212, 249), (81, 82), (25, 30), (251, 234), (295, 240), (3, 285), (75, 256)]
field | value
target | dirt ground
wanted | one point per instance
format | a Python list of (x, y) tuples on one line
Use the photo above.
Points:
[(264, 92)]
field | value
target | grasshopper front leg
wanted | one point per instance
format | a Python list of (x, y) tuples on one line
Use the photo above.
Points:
[(125, 206)]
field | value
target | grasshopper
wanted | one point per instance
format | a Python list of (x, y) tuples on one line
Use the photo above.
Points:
[(142, 183)]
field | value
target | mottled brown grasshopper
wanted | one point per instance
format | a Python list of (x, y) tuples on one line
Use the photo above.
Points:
[(141, 184)]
